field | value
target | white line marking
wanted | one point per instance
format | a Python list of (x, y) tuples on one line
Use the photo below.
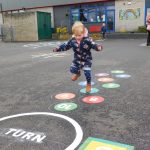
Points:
[(143, 44), (79, 132)]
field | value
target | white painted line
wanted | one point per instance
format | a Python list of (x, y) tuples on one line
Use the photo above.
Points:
[(79, 132), (143, 44)]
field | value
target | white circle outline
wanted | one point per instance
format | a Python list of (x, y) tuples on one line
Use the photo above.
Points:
[(79, 132)]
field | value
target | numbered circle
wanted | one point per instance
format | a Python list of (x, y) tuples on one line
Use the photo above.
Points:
[(65, 106), (106, 79), (111, 85), (117, 71), (64, 96), (84, 83), (123, 76), (93, 99), (93, 90), (102, 74)]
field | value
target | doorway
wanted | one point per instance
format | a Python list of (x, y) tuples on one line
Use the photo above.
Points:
[(110, 20), (44, 25)]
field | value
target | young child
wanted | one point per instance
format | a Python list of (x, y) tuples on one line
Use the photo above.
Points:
[(103, 30), (81, 45)]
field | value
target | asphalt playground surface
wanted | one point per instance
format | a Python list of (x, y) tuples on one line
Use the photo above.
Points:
[(31, 75)]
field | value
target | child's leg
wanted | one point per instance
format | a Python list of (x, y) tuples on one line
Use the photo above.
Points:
[(75, 70), (87, 73)]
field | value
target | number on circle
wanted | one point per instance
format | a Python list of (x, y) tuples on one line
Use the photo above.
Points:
[(65, 106)]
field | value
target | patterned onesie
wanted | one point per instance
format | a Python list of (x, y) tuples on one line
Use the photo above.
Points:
[(82, 55)]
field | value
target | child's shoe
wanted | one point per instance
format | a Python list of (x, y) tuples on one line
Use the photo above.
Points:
[(88, 88), (75, 77)]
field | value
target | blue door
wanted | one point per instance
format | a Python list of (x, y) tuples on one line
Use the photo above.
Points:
[(110, 20)]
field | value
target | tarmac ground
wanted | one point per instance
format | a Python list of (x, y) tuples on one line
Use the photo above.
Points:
[(42, 109)]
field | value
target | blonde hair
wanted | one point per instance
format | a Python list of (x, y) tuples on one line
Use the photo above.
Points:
[(78, 28)]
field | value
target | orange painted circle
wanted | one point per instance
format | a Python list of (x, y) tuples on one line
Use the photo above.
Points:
[(64, 96), (106, 79)]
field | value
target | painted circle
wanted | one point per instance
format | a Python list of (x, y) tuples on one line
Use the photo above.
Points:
[(64, 96), (101, 74), (117, 71), (106, 79), (83, 83), (123, 76), (93, 99), (111, 85), (79, 132), (93, 90), (65, 106)]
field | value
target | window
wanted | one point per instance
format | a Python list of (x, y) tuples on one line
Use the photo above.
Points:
[(83, 14), (90, 13), (75, 15)]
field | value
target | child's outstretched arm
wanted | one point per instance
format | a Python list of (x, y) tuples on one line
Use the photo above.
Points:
[(63, 47), (97, 47)]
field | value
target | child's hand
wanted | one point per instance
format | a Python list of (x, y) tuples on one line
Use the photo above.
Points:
[(99, 47), (55, 49)]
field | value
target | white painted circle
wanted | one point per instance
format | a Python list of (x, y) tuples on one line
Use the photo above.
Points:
[(79, 132)]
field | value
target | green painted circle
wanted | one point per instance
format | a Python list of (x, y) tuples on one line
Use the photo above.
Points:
[(93, 90), (65, 106), (111, 85), (117, 71)]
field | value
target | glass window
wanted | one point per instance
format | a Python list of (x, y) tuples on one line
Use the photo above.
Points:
[(75, 15), (91, 12), (92, 16), (101, 14), (83, 14)]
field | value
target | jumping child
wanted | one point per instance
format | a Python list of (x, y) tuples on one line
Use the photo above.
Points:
[(81, 44)]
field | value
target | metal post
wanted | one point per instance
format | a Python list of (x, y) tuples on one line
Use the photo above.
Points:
[(1, 10)]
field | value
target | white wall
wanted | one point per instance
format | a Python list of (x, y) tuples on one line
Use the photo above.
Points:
[(129, 16)]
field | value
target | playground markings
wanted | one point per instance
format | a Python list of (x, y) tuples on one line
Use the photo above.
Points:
[(93, 99), (43, 44), (65, 106), (110, 85), (48, 55), (84, 83), (79, 132), (65, 96), (125, 76), (106, 79), (100, 144), (93, 90), (117, 71), (143, 44), (101, 74)]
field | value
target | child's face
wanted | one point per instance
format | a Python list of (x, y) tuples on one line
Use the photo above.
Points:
[(79, 36)]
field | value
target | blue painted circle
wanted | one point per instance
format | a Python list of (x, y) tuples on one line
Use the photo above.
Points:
[(83, 83), (93, 90), (123, 76)]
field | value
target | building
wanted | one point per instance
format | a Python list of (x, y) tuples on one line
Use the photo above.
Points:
[(118, 15)]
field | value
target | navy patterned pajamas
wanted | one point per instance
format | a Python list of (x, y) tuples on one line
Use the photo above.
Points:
[(82, 55)]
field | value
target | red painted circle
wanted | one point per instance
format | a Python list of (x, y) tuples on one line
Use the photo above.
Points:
[(93, 99), (106, 79), (64, 96)]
